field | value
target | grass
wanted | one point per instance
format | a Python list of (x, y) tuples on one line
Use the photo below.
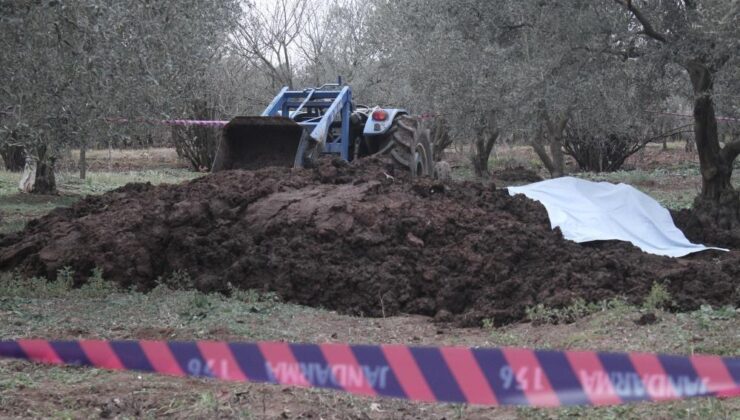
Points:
[(540, 314), (56, 310), (672, 178), (674, 188), (100, 182), (37, 307), (98, 308), (16, 208)]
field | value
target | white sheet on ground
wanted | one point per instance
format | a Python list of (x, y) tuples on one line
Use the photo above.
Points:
[(596, 211)]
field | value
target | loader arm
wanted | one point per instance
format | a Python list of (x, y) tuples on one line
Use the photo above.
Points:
[(276, 137)]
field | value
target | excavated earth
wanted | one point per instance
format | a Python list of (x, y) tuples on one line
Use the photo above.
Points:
[(361, 239), (702, 231)]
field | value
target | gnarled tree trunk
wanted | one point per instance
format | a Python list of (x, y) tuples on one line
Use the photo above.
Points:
[(83, 161), (481, 152), (14, 157), (45, 181), (554, 161), (485, 138), (718, 203), (38, 174)]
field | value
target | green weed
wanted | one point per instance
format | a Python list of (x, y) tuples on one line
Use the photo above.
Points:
[(16, 285), (66, 275), (658, 298), (252, 296), (706, 315), (161, 290), (179, 279), (198, 307), (97, 287), (541, 314), (504, 336), (617, 304), (207, 403)]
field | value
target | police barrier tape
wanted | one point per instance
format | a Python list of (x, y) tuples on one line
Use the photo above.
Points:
[(480, 376), (204, 123), (423, 116)]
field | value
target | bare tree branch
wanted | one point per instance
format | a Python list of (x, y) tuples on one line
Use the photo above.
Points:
[(267, 36), (731, 151), (647, 27)]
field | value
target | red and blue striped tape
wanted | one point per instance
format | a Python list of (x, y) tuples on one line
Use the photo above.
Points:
[(204, 123), (480, 376)]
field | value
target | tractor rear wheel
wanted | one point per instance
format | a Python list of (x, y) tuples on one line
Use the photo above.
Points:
[(410, 146)]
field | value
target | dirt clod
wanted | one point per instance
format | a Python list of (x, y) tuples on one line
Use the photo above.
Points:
[(647, 319), (700, 230), (362, 239)]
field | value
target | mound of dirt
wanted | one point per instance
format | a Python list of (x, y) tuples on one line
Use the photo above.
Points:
[(361, 239), (703, 232)]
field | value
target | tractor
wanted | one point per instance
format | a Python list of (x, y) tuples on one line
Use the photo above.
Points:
[(300, 126)]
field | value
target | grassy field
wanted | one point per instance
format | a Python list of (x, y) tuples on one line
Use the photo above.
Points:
[(40, 308), (669, 176), (16, 208)]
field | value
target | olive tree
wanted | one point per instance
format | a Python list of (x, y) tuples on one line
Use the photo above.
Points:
[(70, 66), (446, 59), (703, 39)]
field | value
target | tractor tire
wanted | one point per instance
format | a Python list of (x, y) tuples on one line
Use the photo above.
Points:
[(410, 146)]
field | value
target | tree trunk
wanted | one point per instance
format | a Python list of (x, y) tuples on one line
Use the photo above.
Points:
[(14, 157), (28, 176), (44, 181), (554, 161), (486, 135), (558, 159), (718, 201), (557, 128), (110, 154), (83, 161), (539, 148), (482, 151)]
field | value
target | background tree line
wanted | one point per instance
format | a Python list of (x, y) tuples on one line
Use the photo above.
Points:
[(585, 78)]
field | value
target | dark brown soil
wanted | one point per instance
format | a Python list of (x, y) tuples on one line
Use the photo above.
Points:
[(706, 232), (360, 239)]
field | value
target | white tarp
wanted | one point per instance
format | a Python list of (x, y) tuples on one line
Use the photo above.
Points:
[(597, 211)]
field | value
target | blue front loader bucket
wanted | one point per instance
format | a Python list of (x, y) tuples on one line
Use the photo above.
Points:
[(258, 142)]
